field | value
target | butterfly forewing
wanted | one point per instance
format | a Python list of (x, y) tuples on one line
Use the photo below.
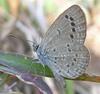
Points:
[(72, 22)]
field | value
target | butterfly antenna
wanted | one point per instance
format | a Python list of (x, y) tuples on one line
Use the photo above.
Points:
[(10, 35)]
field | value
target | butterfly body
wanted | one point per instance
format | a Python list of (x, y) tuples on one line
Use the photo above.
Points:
[(42, 55)]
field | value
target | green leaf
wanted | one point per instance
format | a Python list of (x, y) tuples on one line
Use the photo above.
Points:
[(25, 68), (70, 88), (15, 64)]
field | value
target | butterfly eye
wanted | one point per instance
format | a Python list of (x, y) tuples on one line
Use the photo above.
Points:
[(35, 47)]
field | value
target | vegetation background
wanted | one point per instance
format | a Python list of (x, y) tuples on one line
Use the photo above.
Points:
[(28, 20)]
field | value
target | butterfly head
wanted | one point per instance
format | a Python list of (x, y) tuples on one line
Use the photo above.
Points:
[(35, 46)]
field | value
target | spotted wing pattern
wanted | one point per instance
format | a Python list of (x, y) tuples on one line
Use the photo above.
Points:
[(63, 44)]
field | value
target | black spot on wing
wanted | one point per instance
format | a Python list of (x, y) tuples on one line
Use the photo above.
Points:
[(71, 18), (72, 63), (54, 50), (72, 24), (67, 45), (55, 58), (69, 49), (59, 71), (74, 59), (76, 55), (66, 16), (68, 65), (71, 36), (55, 62), (73, 29)]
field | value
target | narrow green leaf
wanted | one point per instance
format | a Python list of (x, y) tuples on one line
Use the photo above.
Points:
[(70, 88), (25, 69), (14, 63)]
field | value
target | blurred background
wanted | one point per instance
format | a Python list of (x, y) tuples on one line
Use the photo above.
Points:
[(28, 20)]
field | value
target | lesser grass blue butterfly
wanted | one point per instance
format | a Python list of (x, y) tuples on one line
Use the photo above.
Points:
[(62, 48)]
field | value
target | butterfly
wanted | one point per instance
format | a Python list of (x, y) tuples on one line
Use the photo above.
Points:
[(62, 48)]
